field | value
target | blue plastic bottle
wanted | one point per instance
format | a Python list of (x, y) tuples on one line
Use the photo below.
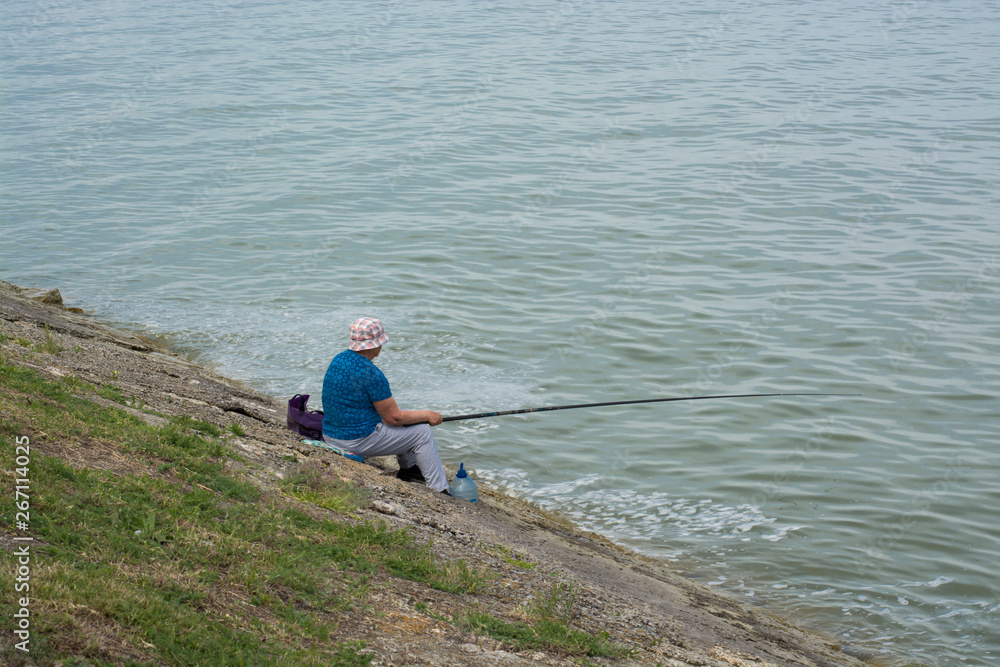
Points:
[(462, 486)]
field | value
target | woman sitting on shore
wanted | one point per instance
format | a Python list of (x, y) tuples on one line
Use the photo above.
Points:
[(361, 416)]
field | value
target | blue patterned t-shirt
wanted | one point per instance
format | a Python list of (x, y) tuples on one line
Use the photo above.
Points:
[(352, 383)]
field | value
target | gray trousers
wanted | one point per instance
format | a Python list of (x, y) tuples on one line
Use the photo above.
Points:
[(412, 445)]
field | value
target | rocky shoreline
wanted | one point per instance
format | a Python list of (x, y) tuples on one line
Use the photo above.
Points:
[(663, 618)]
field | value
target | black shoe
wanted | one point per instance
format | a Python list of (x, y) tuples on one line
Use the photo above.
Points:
[(411, 474)]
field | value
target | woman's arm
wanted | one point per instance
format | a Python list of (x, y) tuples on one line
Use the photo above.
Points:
[(392, 415)]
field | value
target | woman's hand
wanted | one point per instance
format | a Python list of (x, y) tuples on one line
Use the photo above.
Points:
[(392, 415)]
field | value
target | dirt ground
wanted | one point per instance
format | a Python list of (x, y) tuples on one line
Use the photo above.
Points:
[(665, 618)]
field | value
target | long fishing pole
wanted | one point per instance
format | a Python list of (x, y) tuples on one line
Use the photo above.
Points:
[(481, 415)]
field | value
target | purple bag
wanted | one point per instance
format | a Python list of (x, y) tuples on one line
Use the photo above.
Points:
[(303, 422)]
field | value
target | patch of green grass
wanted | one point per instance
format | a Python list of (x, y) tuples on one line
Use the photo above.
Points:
[(112, 393), (22, 341), (419, 564), (183, 560), (348, 656), (237, 430), (549, 628), (507, 554), (74, 384), (50, 345), (458, 577), (313, 483), (187, 422)]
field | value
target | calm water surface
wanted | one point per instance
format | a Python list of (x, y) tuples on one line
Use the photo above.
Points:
[(575, 201)]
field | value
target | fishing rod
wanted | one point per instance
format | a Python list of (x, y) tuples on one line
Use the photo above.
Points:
[(481, 415)]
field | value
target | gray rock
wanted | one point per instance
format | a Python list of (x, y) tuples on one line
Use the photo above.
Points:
[(50, 296), (388, 508)]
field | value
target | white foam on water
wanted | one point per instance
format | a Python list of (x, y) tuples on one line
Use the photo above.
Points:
[(624, 514), (781, 533), (930, 584)]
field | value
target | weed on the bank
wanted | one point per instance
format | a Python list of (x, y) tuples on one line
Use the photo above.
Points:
[(112, 393), (509, 556), (315, 484), (199, 425), (50, 345), (548, 627)]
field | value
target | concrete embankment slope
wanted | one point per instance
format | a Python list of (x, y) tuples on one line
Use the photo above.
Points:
[(659, 616)]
